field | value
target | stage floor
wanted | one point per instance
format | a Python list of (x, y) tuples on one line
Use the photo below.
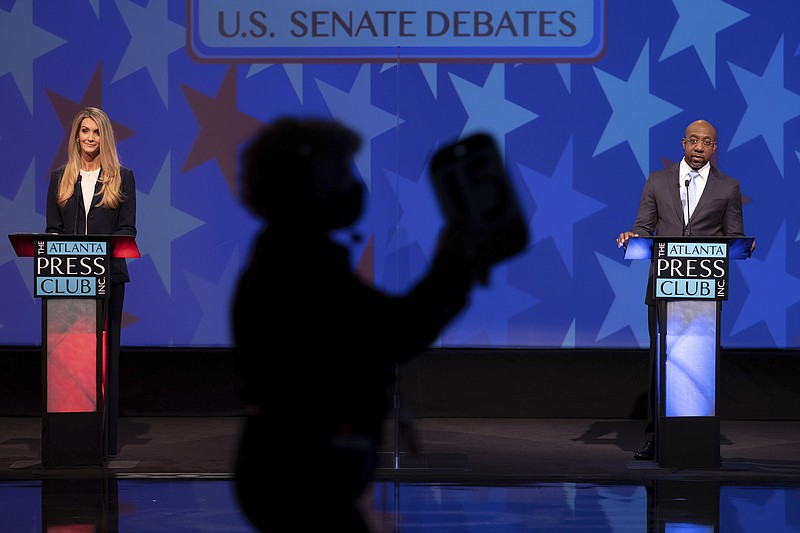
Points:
[(504, 475), (554, 449)]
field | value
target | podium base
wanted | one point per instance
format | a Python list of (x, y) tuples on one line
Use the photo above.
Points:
[(71, 440), (688, 442)]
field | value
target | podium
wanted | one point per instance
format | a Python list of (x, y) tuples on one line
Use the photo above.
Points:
[(72, 276), (690, 280)]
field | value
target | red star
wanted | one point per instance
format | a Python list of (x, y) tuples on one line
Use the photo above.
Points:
[(128, 319), (222, 129), (365, 269), (67, 109)]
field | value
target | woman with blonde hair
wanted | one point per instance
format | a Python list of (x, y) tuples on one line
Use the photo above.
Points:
[(93, 194)]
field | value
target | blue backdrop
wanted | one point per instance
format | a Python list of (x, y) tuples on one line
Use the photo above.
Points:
[(578, 136)]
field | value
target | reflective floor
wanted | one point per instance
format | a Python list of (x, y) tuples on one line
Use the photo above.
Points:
[(475, 475), (177, 505)]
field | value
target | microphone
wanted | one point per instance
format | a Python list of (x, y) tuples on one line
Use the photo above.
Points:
[(688, 227)]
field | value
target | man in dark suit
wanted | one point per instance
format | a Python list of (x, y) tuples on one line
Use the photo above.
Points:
[(665, 211)]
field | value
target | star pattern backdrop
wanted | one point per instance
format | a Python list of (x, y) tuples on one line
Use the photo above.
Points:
[(578, 139)]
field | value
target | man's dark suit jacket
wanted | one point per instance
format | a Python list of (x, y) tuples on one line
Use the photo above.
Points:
[(718, 212), (101, 221)]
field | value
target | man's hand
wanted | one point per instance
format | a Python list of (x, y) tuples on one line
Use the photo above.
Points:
[(622, 240)]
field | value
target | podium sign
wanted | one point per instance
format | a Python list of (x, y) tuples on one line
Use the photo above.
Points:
[(691, 270), (690, 281), (72, 277), (72, 268)]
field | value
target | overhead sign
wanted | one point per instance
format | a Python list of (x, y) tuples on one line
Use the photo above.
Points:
[(421, 31)]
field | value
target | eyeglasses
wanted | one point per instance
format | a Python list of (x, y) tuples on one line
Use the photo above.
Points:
[(705, 142)]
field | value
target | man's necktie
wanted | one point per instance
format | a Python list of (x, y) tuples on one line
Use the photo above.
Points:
[(692, 192)]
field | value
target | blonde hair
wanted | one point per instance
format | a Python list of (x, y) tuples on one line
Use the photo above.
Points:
[(110, 190)]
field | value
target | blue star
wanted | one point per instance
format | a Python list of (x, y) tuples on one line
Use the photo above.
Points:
[(145, 51), (22, 42), (634, 111), (354, 109), (483, 322), (213, 327), (559, 206), (421, 218), (429, 71), (698, 25), (569, 339), (155, 234), (565, 71), (95, 5), (404, 239), (487, 108), (769, 106), (628, 283), (294, 72), (771, 291), (797, 237), (19, 215)]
